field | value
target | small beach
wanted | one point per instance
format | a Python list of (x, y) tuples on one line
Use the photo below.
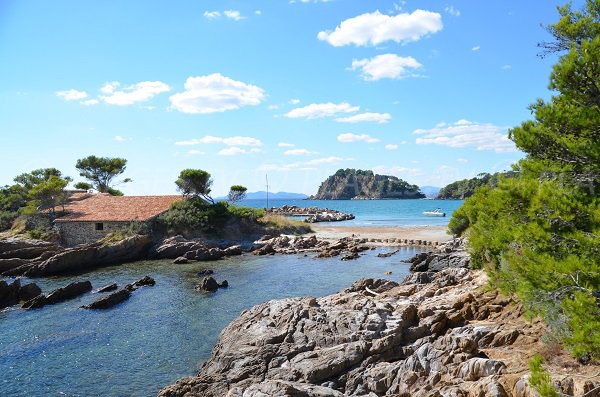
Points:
[(427, 233)]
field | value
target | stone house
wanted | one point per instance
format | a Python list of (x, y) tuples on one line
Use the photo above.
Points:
[(90, 217)]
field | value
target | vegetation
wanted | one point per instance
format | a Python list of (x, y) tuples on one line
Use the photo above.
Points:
[(539, 232), (465, 188), (236, 193), (195, 184), (132, 229), (540, 379), (101, 172)]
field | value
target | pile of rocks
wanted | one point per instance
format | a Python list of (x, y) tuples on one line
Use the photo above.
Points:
[(183, 250), (119, 296), (311, 214), (452, 254), (299, 245)]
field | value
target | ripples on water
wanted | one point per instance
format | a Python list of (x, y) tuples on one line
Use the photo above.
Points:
[(163, 332)]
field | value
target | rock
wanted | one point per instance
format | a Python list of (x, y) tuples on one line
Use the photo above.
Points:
[(452, 254), (68, 292), (87, 257), (181, 260), (208, 284), (108, 288), (205, 254), (233, 250), (205, 272), (9, 293), (143, 282), (224, 284), (311, 214), (110, 300), (174, 247), (28, 292), (387, 254), (350, 257)]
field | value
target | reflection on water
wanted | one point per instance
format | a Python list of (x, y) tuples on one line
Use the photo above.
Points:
[(163, 332)]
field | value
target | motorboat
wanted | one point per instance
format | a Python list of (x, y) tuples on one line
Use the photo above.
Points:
[(435, 212)]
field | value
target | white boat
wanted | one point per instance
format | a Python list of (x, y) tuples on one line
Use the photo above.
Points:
[(435, 212)]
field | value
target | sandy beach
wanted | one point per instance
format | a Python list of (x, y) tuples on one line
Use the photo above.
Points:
[(428, 233)]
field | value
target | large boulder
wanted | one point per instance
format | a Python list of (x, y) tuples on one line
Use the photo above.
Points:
[(11, 294), (58, 295), (453, 254), (209, 284), (110, 300), (174, 247)]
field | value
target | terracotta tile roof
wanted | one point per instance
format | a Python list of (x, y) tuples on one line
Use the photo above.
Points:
[(103, 207)]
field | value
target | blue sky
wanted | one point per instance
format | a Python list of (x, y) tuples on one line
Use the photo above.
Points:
[(424, 90)]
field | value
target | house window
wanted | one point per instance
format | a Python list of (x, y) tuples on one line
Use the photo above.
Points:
[(99, 226)]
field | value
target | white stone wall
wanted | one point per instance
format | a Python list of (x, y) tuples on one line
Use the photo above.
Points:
[(75, 233)]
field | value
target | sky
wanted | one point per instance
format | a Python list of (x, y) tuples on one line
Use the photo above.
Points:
[(423, 90)]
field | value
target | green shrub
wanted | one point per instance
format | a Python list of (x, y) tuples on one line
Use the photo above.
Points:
[(540, 379), (6, 219)]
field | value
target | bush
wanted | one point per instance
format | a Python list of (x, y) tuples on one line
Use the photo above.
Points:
[(540, 379), (6, 219)]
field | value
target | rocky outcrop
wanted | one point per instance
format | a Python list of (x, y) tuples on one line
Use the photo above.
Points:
[(119, 296), (350, 184), (86, 258), (435, 334), (311, 214), (452, 254), (68, 292), (16, 252), (347, 247), (108, 288), (182, 250), (13, 293), (209, 284)]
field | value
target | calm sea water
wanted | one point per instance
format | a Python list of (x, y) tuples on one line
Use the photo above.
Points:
[(377, 212), (163, 332)]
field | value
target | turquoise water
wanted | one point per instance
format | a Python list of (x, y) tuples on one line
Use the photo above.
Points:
[(163, 332), (377, 212)]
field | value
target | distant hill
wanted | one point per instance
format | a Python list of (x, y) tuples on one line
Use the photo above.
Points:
[(460, 190), (262, 195), (351, 184), (430, 191)]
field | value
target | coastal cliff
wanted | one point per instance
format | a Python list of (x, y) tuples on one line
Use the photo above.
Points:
[(351, 184)]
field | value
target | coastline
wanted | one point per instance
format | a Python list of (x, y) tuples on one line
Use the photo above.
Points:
[(336, 232)]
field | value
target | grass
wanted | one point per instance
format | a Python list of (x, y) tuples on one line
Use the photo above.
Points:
[(285, 225)]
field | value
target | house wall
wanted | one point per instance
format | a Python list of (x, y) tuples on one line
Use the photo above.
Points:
[(75, 233)]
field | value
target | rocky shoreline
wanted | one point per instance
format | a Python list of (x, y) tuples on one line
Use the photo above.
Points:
[(311, 214), (440, 332)]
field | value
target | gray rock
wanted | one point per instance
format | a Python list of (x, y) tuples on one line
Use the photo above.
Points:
[(68, 292), (109, 301), (108, 288)]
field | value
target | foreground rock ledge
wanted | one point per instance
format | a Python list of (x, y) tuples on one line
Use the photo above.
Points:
[(436, 334)]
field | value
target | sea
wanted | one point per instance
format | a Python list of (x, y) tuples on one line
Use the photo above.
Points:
[(167, 331)]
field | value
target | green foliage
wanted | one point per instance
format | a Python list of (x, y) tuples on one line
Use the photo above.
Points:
[(48, 194), (83, 186), (246, 212), (195, 215), (236, 193), (538, 231), (195, 183), (462, 189), (101, 171), (132, 229), (7, 218), (540, 379)]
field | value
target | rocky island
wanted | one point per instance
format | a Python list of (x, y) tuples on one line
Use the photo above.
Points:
[(351, 184)]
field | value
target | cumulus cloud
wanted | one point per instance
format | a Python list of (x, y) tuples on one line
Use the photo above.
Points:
[(391, 146), (215, 93), (390, 66), (71, 95), (321, 110), (194, 152), (231, 141), (236, 151), (90, 102), (376, 28), (139, 92), (476, 48), (285, 144), (294, 101), (296, 152), (467, 134), (119, 138), (212, 14), (350, 137), (366, 117)]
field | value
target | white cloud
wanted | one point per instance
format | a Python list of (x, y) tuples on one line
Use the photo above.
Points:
[(452, 11), (294, 101), (297, 152), (350, 137), (215, 93), (212, 14), (139, 92), (90, 102), (119, 138), (71, 95), (320, 110), (462, 161), (233, 14), (285, 144), (362, 117), (399, 171), (273, 107), (258, 12), (506, 67), (231, 141), (389, 66), (231, 151), (391, 146), (194, 152), (467, 134), (326, 160), (476, 48), (376, 28)]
